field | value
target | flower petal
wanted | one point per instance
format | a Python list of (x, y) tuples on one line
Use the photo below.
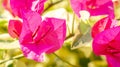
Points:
[(41, 37), (106, 39), (35, 51), (77, 5), (33, 19), (105, 8), (38, 6), (113, 61), (14, 28), (102, 25), (95, 7), (17, 5), (53, 32), (29, 25), (58, 34), (29, 19), (35, 5)]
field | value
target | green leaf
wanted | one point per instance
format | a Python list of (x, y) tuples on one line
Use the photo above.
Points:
[(82, 40), (84, 27)]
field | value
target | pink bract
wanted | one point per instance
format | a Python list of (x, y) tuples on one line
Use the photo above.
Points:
[(14, 28), (113, 61), (95, 7), (34, 5), (39, 37), (103, 24), (108, 43)]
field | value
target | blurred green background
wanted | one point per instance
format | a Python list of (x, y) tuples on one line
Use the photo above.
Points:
[(77, 48)]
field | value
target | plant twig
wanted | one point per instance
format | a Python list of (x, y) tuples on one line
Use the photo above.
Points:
[(64, 60), (73, 21), (52, 4), (71, 35), (118, 19), (15, 57), (68, 28)]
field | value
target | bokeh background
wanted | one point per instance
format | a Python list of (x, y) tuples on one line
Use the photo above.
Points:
[(77, 48)]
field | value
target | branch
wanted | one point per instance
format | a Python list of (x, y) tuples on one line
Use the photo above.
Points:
[(52, 4), (71, 35), (73, 21), (64, 60), (15, 57)]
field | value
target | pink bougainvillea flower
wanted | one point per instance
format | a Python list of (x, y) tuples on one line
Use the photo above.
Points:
[(14, 28), (39, 37), (103, 24), (95, 7), (34, 5), (6, 5), (108, 43)]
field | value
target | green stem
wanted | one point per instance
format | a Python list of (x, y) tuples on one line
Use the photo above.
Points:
[(73, 21), (52, 4), (64, 60), (68, 29), (71, 35), (51, 1), (118, 19), (15, 57)]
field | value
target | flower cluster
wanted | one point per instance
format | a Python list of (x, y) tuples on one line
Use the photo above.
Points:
[(106, 40), (105, 32), (95, 7), (36, 36)]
